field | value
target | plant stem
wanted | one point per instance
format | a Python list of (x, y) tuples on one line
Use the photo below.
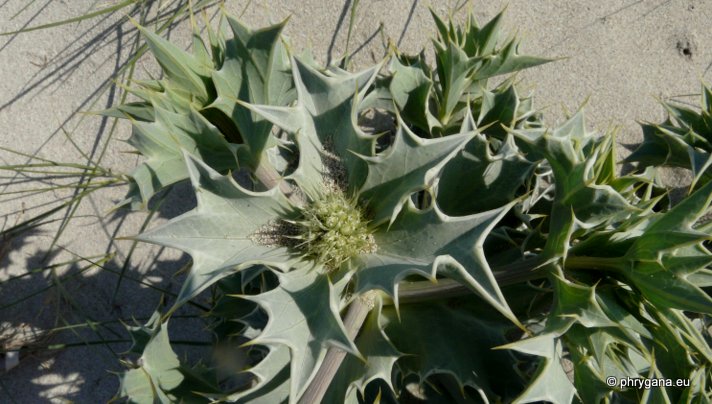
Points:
[(355, 316), (510, 274), (594, 263), (269, 177)]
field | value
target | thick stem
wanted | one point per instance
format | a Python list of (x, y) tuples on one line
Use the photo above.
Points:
[(509, 274), (594, 263), (269, 177), (355, 316), (505, 275)]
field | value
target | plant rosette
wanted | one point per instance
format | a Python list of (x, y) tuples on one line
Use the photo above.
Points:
[(342, 236)]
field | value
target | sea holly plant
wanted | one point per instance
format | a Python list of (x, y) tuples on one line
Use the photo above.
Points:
[(683, 140), (438, 102), (195, 107), (468, 254), (435, 101)]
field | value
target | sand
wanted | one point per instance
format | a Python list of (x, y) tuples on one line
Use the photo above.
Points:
[(620, 57)]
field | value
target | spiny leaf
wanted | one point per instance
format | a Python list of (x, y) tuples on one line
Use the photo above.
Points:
[(506, 60), (380, 355), (669, 146), (454, 338), (500, 109), (272, 374), (325, 115), (411, 90), (579, 201), (162, 143), (452, 246), (222, 234), (577, 303), (686, 334), (216, 39), (680, 218), (303, 315), (436, 103), (182, 68), (142, 334), (664, 288), (666, 285), (590, 373), (696, 121), (683, 140), (580, 318), (200, 50), (482, 41), (141, 111), (550, 382), (385, 272), (477, 179), (160, 377), (158, 373), (411, 164), (453, 67), (256, 70), (563, 147)]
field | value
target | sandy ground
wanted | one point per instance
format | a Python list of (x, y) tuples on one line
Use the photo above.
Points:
[(620, 57)]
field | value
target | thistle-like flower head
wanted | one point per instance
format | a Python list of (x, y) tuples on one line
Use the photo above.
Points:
[(333, 230)]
